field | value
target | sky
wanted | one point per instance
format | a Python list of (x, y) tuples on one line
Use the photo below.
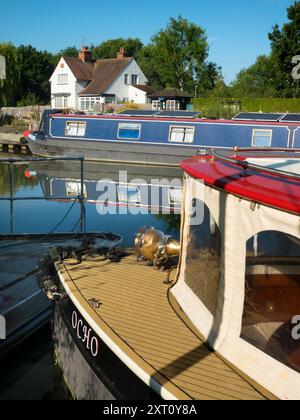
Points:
[(237, 30)]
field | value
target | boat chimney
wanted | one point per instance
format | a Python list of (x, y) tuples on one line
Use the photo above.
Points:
[(85, 55), (121, 53)]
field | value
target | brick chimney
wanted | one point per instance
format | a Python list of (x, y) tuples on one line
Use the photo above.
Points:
[(85, 55), (121, 54)]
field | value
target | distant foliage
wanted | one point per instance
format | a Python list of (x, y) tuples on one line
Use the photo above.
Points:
[(217, 107), (111, 47), (273, 75), (176, 55)]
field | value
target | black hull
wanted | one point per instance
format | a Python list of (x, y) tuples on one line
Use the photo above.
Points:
[(113, 151), (100, 377)]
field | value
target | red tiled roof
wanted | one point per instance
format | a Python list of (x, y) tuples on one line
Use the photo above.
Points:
[(145, 88), (105, 72), (171, 93), (82, 71)]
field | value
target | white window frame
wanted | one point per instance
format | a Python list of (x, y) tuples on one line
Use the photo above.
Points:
[(137, 126), (181, 127), (78, 123), (63, 79), (89, 102), (156, 105), (256, 133), (126, 79), (61, 101)]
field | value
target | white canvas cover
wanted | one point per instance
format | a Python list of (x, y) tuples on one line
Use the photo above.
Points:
[(238, 221)]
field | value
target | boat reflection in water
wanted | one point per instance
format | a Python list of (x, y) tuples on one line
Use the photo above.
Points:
[(150, 189)]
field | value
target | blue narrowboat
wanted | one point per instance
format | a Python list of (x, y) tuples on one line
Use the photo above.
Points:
[(157, 138)]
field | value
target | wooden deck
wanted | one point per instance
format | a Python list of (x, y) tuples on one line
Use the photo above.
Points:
[(136, 312)]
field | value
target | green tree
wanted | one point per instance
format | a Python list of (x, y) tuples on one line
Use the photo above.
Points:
[(285, 44), (209, 78), (111, 47), (258, 80), (148, 60), (178, 54), (10, 87), (69, 52), (36, 68)]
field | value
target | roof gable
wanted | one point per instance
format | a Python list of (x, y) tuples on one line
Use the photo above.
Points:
[(82, 71), (105, 73)]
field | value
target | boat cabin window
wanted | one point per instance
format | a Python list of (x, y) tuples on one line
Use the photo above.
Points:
[(203, 261), (73, 189), (262, 138), (75, 128), (182, 134), (129, 194), (128, 131), (271, 315)]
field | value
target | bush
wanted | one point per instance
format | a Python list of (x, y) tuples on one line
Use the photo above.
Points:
[(6, 119)]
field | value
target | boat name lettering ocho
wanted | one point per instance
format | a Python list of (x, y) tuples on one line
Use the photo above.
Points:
[(85, 334)]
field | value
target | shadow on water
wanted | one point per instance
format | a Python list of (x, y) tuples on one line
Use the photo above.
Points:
[(29, 372)]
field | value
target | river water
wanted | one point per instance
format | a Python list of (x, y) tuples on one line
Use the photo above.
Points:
[(118, 199)]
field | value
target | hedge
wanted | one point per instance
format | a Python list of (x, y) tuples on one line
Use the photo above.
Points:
[(215, 107)]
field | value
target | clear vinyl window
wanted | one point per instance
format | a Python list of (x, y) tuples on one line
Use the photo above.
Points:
[(203, 261), (272, 296)]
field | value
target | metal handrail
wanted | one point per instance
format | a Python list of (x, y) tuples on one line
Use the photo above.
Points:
[(248, 165), (265, 149), (11, 198)]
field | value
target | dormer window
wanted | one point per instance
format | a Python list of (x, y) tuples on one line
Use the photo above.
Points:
[(62, 79)]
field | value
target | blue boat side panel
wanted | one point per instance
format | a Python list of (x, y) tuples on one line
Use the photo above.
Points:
[(158, 132), (230, 135)]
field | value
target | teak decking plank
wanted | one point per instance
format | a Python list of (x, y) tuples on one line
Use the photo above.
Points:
[(135, 305)]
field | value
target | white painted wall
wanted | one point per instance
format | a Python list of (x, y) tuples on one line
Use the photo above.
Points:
[(123, 91), (70, 88), (137, 95), (78, 88)]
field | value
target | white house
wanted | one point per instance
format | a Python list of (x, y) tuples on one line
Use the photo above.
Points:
[(81, 83)]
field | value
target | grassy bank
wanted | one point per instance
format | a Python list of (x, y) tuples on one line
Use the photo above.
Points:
[(215, 107)]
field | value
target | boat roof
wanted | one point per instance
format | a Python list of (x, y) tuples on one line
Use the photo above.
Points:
[(175, 119), (272, 180)]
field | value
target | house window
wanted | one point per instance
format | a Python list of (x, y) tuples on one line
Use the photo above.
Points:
[(126, 79), (272, 296), (262, 138), (180, 134), (134, 79), (87, 104), (62, 79), (172, 105), (129, 131), (61, 101), (75, 128), (156, 106)]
